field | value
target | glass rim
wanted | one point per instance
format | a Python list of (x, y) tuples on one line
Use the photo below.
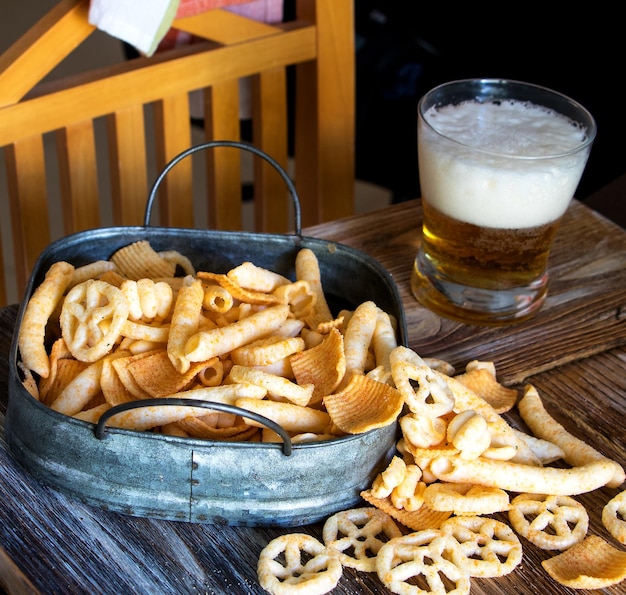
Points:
[(591, 128)]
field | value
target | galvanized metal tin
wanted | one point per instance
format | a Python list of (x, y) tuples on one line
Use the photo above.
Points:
[(153, 475)]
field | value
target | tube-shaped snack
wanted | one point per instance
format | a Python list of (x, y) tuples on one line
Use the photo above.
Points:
[(40, 307), (544, 426), (517, 477), (204, 345), (185, 322)]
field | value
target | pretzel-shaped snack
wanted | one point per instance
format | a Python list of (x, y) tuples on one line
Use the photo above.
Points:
[(298, 575), (432, 397), (426, 555), (550, 522), (92, 318), (358, 534), (491, 547)]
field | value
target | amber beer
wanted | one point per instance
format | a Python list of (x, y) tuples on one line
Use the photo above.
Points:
[(496, 177), (485, 257)]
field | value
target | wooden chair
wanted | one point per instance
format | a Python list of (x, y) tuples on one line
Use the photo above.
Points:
[(319, 43)]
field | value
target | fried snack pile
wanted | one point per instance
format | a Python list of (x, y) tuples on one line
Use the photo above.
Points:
[(129, 329), (431, 526)]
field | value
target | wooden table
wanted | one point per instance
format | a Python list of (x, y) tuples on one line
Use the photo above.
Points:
[(573, 352)]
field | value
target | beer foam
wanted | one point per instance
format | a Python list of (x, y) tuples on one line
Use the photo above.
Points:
[(509, 171)]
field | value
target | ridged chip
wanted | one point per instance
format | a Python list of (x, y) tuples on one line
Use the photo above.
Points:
[(364, 404), (591, 564), (156, 374), (485, 384), (112, 387), (65, 371), (121, 367), (323, 365), (140, 261), (58, 352), (199, 428), (416, 520)]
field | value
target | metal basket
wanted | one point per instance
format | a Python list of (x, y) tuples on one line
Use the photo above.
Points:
[(195, 480)]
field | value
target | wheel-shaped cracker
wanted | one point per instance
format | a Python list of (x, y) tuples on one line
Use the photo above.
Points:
[(432, 397), (550, 522), (298, 564), (92, 318), (426, 556), (614, 517), (491, 547), (357, 535)]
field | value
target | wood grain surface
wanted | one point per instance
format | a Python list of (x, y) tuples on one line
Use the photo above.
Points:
[(572, 352)]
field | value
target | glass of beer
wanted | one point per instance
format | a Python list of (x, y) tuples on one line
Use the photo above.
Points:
[(499, 162)]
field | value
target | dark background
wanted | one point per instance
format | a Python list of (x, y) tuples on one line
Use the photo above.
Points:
[(404, 48)]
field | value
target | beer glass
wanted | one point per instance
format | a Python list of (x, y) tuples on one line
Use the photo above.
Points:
[(499, 162)]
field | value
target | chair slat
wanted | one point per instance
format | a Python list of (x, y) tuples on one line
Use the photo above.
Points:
[(26, 178), (172, 136), (223, 164), (128, 165), (3, 273), (29, 60), (140, 82), (78, 176), (269, 117), (325, 116)]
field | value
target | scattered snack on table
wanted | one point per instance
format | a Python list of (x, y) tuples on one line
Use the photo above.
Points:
[(517, 477), (128, 329), (591, 564), (614, 517), (298, 563), (491, 547), (577, 452), (358, 534), (481, 378), (550, 522), (465, 499), (416, 520), (477, 450), (431, 555)]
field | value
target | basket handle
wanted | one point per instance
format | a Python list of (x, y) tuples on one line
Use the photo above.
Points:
[(101, 429), (237, 145)]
